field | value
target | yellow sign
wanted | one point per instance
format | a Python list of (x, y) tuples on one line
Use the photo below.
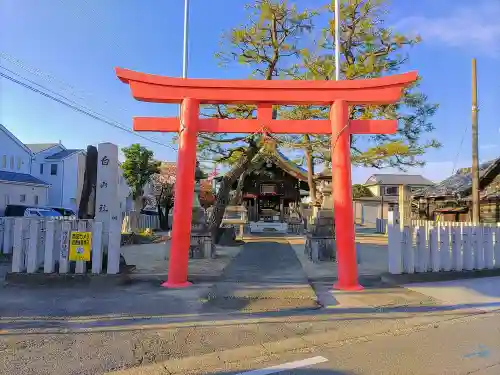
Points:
[(79, 246)]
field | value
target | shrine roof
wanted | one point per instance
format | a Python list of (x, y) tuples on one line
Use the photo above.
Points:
[(460, 184)]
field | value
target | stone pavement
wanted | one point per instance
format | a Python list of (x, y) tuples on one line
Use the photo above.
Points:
[(151, 261), (265, 276)]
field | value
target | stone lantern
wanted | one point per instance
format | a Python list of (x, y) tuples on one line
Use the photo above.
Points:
[(325, 189)]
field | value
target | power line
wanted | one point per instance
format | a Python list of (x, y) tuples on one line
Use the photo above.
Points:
[(459, 150), (75, 106)]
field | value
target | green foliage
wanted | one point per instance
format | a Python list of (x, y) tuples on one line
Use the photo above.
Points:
[(138, 167), (368, 50), (360, 191), (269, 44), (281, 41)]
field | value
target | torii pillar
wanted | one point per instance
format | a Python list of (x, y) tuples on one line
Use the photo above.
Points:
[(337, 94)]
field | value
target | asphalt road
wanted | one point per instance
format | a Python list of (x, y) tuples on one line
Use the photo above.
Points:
[(465, 346)]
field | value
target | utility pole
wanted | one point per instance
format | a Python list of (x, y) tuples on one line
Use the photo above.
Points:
[(337, 40), (475, 157), (185, 49)]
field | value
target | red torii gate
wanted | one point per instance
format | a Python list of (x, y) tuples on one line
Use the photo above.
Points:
[(193, 92)]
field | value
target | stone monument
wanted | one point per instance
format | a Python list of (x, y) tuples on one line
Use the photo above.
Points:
[(107, 203), (320, 235), (201, 241)]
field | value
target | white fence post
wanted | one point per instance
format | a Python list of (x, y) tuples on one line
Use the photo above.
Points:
[(420, 265), (34, 233), (64, 247), (17, 251), (444, 247), (80, 266), (489, 256), (434, 248), (3, 224), (496, 246), (408, 254), (467, 247), (8, 235), (97, 248), (48, 262), (478, 245), (456, 248), (395, 244)]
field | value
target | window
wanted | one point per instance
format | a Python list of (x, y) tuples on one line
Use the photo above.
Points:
[(22, 199), (390, 190), (4, 161), (53, 169), (12, 162), (41, 168), (19, 162), (35, 200)]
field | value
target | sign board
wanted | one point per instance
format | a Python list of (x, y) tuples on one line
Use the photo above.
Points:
[(80, 244)]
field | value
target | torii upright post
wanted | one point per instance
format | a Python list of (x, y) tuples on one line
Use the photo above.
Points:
[(337, 94)]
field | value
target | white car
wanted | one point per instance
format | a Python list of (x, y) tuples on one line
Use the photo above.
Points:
[(41, 212)]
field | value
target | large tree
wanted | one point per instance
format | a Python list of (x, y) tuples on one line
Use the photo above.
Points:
[(268, 45), (368, 49)]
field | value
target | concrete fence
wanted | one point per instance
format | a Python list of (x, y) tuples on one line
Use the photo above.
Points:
[(428, 246), (41, 245)]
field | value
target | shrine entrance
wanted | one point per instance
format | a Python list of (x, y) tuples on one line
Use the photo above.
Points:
[(339, 95)]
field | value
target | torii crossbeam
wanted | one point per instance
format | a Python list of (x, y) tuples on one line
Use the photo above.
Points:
[(337, 94)]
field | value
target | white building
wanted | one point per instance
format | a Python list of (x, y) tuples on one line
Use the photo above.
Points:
[(63, 169), (17, 184)]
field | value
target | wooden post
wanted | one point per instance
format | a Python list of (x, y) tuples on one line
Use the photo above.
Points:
[(394, 244), (184, 191), (17, 251), (49, 261), (475, 149), (31, 266), (64, 247), (342, 192), (97, 247)]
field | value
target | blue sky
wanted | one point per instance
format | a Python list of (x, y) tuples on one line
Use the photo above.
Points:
[(72, 47)]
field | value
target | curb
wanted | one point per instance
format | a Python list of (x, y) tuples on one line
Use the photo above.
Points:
[(400, 280)]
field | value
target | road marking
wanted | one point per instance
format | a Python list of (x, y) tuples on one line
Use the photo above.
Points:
[(286, 366)]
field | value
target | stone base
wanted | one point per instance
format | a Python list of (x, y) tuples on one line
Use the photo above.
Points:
[(320, 249), (268, 227), (64, 280), (201, 246)]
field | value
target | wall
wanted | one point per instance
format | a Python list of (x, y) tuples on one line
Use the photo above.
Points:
[(69, 182), (55, 190), (13, 150), (375, 189), (14, 192)]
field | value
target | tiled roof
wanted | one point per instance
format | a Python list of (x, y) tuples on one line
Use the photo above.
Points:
[(39, 147), (62, 154), (21, 178), (398, 179), (460, 184)]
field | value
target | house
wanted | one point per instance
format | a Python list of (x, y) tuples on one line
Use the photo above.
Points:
[(451, 199), (63, 169), (17, 185), (387, 186)]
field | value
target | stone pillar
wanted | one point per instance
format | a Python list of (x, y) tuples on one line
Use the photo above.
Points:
[(108, 204)]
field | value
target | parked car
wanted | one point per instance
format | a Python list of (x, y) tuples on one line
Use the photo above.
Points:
[(66, 212), (18, 210)]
